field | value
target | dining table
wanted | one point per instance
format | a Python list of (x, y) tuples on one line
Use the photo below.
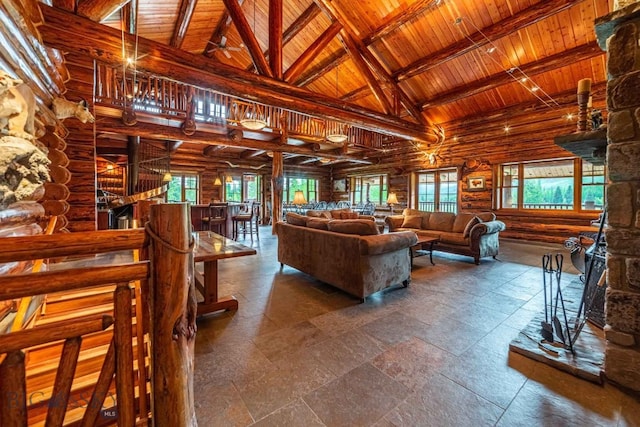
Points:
[(209, 247)]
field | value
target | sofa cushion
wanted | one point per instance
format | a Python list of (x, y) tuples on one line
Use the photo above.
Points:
[(486, 216), (348, 215), (296, 219), (467, 230), (314, 213), (325, 214), (441, 221), (462, 219), (336, 213), (412, 221), (425, 220), (374, 245), (429, 233), (453, 239), (318, 223), (361, 227)]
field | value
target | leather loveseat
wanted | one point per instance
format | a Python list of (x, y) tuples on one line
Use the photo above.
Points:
[(472, 234), (347, 254)]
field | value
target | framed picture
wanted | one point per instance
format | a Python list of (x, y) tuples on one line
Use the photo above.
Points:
[(475, 183), (340, 185)]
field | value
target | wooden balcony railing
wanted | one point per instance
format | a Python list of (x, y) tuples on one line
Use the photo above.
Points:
[(169, 99), (90, 362)]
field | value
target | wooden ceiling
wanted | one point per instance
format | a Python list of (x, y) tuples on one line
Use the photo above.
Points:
[(445, 62)]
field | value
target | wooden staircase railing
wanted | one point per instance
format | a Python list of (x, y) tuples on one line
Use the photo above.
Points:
[(87, 359)]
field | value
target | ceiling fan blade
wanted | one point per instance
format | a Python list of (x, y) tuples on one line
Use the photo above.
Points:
[(235, 49), (223, 40), (227, 54)]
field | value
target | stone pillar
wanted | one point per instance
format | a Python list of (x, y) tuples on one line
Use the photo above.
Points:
[(620, 32)]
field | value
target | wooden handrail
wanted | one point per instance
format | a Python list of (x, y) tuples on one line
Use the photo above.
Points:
[(70, 244), (62, 330), (65, 280)]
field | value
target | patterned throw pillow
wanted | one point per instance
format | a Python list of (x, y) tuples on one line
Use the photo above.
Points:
[(412, 221)]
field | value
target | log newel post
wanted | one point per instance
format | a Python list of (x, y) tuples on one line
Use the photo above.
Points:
[(172, 311), (277, 184)]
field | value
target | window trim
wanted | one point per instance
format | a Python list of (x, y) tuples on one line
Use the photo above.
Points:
[(183, 175), (436, 182), (384, 188)]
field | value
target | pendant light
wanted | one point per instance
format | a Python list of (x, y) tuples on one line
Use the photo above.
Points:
[(336, 132), (253, 117)]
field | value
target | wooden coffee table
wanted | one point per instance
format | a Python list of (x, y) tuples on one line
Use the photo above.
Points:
[(424, 246)]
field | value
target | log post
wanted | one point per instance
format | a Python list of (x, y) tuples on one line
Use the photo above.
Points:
[(173, 315), (13, 388), (277, 184)]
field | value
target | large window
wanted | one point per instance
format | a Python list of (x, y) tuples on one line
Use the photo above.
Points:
[(552, 185), (308, 186), (438, 191), (372, 188), (184, 187), (242, 188)]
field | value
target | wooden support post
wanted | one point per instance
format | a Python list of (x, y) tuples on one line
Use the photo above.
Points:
[(275, 38), (277, 184), (133, 153), (13, 389), (173, 315)]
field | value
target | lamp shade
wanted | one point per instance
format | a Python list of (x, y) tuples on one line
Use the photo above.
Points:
[(217, 182), (166, 177), (298, 198), (392, 199), (337, 138), (253, 124), (229, 178)]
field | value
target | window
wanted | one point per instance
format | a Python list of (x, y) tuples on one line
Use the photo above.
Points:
[(371, 188), (184, 187), (242, 188), (308, 186), (438, 191), (551, 185)]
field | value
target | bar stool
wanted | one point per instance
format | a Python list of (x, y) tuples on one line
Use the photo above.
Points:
[(249, 214), (217, 218)]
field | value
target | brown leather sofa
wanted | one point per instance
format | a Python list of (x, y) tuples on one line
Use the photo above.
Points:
[(472, 234), (347, 254)]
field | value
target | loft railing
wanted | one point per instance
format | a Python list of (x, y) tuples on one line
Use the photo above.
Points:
[(442, 207), (169, 99)]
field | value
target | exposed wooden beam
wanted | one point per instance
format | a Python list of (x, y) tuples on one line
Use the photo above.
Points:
[(218, 32), (361, 64), (549, 63), (247, 154), (128, 18), (398, 18), (172, 146), (74, 34), (395, 20), (210, 149), (515, 23), (248, 37), (275, 38), (311, 53), (182, 23), (69, 5), (361, 92), (97, 10)]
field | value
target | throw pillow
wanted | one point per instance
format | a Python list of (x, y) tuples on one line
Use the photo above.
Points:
[(462, 219), (315, 214), (318, 223), (467, 230), (412, 221), (296, 219), (326, 215), (486, 216), (411, 212), (361, 227), (336, 213)]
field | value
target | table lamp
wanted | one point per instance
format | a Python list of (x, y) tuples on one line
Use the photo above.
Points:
[(392, 200), (298, 199)]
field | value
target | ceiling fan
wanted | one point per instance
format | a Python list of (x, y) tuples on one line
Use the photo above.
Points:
[(222, 46)]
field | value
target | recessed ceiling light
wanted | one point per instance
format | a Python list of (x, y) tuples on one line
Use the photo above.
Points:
[(524, 79), (569, 116), (535, 89), (507, 128), (491, 49), (455, 138)]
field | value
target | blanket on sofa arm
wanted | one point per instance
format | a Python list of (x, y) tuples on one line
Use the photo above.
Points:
[(473, 234)]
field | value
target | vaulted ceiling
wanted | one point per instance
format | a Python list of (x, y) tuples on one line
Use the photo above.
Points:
[(452, 63)]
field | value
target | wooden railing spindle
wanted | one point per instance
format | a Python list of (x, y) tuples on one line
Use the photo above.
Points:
[(13, 389), (102, 388), (63, 381), (124, 355)]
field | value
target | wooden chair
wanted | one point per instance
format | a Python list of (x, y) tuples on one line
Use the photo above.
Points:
[(248, 216), (216, 219)]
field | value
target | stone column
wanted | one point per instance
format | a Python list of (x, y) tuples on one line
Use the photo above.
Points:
[(620, 32)]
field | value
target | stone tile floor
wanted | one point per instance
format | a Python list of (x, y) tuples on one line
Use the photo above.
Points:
[(301, 353)]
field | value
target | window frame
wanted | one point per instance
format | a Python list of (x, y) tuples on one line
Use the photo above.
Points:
[(183, 176), (242, 184), (311, 193), (577, 187), (356, 186), (437, 184)]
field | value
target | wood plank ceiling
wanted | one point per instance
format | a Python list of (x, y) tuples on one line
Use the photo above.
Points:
[(446, 62)]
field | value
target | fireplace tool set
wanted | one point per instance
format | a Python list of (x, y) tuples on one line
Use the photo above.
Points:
[(552, 327)]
